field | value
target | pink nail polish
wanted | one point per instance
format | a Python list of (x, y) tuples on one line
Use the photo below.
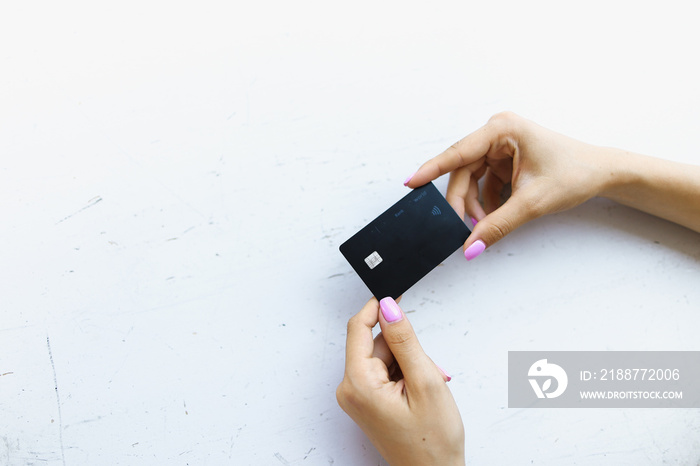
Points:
[(405, 183), (390, 310), (474, 221), (474, 249), (449, 377)]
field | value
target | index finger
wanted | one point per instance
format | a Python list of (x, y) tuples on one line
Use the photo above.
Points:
[(465, 152), (360, 342)]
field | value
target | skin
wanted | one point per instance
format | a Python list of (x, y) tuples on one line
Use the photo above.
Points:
[(391, 389), (549, 172), (408, 414)]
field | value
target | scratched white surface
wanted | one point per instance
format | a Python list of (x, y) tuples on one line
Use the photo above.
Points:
[(175, 181)]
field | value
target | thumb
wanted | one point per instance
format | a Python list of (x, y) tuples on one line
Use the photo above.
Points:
[(495, 226), (404, 345)]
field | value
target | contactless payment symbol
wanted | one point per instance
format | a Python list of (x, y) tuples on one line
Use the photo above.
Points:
[(545, 371)]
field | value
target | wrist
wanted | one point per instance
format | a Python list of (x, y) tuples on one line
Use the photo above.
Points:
[(616, 173)]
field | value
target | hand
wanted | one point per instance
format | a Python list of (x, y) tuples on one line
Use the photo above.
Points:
[(547, 173), (396, 394)]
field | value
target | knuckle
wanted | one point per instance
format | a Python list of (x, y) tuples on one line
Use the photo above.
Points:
[(453, 198), (506, 122), (451, 153), (504, 116), (341, 394), (456, 202), (352, 323), (398, 337), (349, 396), (500, 228)]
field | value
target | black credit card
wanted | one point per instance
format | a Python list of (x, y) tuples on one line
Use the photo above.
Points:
[(403, 244)]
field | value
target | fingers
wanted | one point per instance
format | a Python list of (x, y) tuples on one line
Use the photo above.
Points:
[(472, 205), (516, 211), (457, 189), (382, 351), (493, 187), (466, 151), (399, 336), (463, 193), (360, 344)]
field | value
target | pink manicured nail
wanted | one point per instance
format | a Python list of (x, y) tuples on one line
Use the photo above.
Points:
[(390, 310), (474, 221), (474, 249), (449, 377), (405, 183)]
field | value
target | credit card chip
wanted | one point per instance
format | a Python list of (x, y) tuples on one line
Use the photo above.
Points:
[(373, 260)]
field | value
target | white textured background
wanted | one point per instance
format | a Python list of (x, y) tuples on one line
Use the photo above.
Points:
[(175, 180)]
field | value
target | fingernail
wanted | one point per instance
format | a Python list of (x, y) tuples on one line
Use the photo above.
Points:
[(390, 310), (474, 249), (405, 183), (449, 377), (474, 221)]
